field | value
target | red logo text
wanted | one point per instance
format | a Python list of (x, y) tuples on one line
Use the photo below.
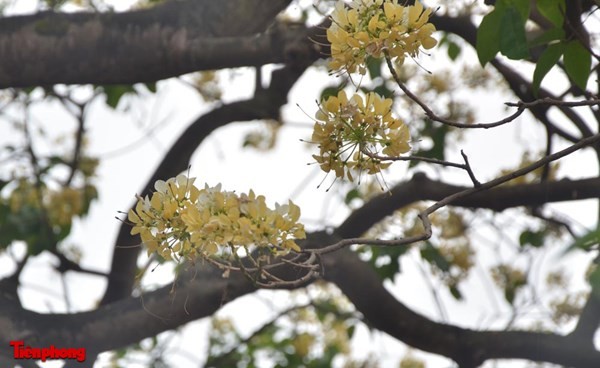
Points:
[(20, 351)]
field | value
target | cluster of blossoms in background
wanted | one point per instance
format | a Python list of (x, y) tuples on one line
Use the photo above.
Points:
[(348, 130), (369, 27), (57, 206), (180, 220)]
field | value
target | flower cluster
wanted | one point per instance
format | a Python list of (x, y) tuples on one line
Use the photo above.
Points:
[(369, 27), (350, 131), (60, 206), (180, 220)]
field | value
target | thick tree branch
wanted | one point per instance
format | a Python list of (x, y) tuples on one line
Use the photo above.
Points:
[(469, 348), (167, 40), (200, 292), (421, 188), (128, 321), (589, 319)]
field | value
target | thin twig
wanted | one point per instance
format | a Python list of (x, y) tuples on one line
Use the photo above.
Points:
[(466, 166), (476, 182), (424, 215), (521, 106)]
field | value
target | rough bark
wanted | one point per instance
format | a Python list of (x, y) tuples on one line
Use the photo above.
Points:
[(167, 40), (200, 292)]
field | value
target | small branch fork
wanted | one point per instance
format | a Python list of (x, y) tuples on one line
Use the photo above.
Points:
[(424, 215), (521, 106), (466, 166), (263, 275)]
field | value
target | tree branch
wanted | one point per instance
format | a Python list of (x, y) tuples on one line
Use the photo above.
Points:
[(421, 188), (264, 105), (469, 348), (464, 28), (200, 291), (167, 40)]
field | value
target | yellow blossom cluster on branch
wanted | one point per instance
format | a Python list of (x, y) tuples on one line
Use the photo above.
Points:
[(348, 131), (59, 205), (180, 220), (368, 27)]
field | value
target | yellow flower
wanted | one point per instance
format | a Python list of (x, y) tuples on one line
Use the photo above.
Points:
[(180, 220), (346, 129), (397, 142), (63, 205), (368, 27)]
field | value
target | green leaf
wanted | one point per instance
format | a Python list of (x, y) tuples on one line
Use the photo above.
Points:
[(522, 6), (453, 50), (115, 92), (533, 238), (513, 42), (28, 90), (509, 295), (553, 34), (8, 233), (578, 62), (3, 183), (594, 280), (328, 92), (36, 244), (553, 10), (352, 195), (63, 232), (432, 255), (455, 292), (586, 242), (151, 87), (437, 133), (488, 40), (548, 59), (390, 269), (383, 91), (351, 331), (374, 67)]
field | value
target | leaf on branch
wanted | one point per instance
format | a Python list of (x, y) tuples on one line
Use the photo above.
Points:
[(513, 42), (328, 92), (115, 92), (433, 255), (437, 133), (386, 260), (594, 280), (455, 292), (553, 10), (547, 61), (453, 50), (352, 195), (586, 242), (488, 42), (374, 67), (578, 62), (547, 37), (521, 6), (532, 238), (151, 86)]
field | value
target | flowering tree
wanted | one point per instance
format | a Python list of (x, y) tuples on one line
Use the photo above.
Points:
[(382, 106)]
